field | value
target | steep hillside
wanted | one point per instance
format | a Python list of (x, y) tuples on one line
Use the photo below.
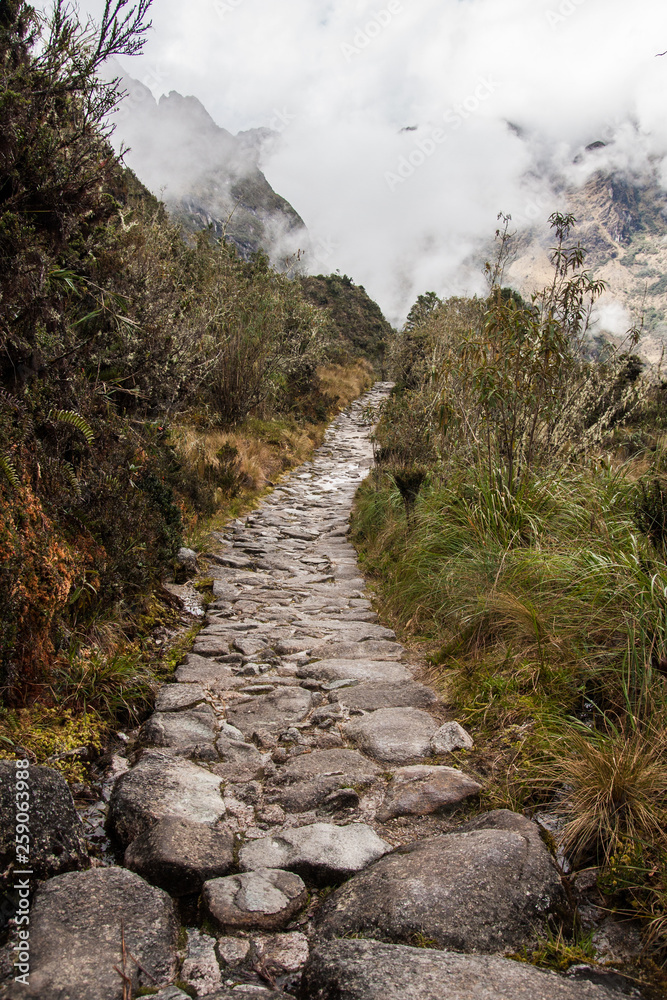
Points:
[(360, 326), (204, 174), (623, 225)]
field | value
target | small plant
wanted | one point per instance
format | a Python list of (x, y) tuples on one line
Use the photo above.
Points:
[(557, 952), (649, 506), (612, 787)]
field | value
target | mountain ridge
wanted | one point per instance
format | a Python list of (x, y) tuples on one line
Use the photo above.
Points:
[(207, 177)]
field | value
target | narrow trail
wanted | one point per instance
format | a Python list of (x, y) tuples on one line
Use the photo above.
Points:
[(293, 802)]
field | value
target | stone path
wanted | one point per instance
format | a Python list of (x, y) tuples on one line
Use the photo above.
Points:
[(295, 803)]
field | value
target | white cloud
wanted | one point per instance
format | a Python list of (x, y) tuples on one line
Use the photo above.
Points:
[(353, 73)]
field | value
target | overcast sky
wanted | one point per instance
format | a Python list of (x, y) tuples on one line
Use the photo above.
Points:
[(400, 211)]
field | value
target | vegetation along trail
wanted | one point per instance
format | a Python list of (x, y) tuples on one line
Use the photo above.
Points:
[(298, 782)]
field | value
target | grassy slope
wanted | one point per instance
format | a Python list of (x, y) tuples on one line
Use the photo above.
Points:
[(358, 321)]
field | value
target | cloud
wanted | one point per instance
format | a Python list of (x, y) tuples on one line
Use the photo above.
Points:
[(351, 74)]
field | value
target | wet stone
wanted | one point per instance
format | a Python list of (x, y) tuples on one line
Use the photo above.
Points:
[(262, 899)]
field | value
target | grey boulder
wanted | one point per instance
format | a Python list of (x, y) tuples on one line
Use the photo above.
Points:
[(451, 736), (421, 789), (158, 786), (320, 851), (479, 890), (338, 669), (371, 970), (57, 841), (179, 856), (394, 735), (79, 924), (265, 899)]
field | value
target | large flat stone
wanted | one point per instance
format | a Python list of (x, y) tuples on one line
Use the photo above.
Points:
[(181, 730), (313, 778), (420, 790), (179, 856), (207, 673), (370, 649), (371, 970), (393, 735), (273, 711), (176, 697), (159, 786), (483, 890), (319, 851), (264, 899), (78, 924), (210, 645), (358, 670), (240, 761), (371, 696), (347, 766)]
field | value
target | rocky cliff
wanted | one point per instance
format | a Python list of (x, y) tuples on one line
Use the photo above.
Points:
[(205, 175), (622, 222)]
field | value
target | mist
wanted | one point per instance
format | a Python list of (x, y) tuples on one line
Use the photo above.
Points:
[(404, 128)]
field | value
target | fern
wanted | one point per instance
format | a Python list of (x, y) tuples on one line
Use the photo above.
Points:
[(9, 471), (74, 419), (74, 481)]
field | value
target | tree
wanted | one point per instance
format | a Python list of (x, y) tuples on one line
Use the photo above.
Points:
[(421, 310)]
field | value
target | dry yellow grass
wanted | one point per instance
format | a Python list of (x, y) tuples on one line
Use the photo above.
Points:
[(265, 449), (346, 381)]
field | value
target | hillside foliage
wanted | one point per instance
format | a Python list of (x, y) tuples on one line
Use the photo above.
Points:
[(115, 330), (515, 529), (358, 326)]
